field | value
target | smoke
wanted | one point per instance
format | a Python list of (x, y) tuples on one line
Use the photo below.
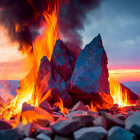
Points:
[(72, 17), (26, 16), (22, 18)]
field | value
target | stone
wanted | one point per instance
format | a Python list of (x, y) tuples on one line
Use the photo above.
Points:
[(121, 116), (67, 127), (100, 122), (111, 120), (90, 133), (42, 136), (62, 138), (63, 60), (44, 80), (45, 130), (133, 123), (76, 113), (79, 106), (9, 134), (25, 130), (90, 75), (118, 133), (4, 125), (46, 106), (27, 138)]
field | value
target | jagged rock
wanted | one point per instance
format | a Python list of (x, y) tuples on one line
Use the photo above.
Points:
[(4, 125), (111, 120), (90, 133), (133, 123), (100, 122), (9, 134), (62, 60), (42, 136), (46, 106), (118, 133), (79, 106), (90, 75), (44, 80), (67, 127)]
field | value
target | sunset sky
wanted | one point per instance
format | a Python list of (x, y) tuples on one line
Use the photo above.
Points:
[(118, 23)]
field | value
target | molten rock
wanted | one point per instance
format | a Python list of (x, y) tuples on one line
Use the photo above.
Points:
[(90, 75)]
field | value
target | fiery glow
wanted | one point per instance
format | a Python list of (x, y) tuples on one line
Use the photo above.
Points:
[(119, 95), (43, 46)]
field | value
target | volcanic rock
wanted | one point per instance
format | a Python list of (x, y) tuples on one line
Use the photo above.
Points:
[(42, 136), (111, 120), (62, 60), (9, 134), (90, 133), (67, 127), (4, 125), (133, 123), (118, 133), (90, 75)]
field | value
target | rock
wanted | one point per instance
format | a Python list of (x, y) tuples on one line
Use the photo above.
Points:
[(90, 133), (45, 130), (34, 114), (62, 60), (9, 134), (67, 127), (90, 75), (44, 80), (62, 138), (27, 138), (121, 116), (46, 106), (4, 125), (42, 136), (118, 133), (111, 120), (100, 122), (25, 130), (133, 123), (75, 113), (79, 106)]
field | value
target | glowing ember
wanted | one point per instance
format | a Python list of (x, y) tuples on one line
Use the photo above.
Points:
[(43, 46)]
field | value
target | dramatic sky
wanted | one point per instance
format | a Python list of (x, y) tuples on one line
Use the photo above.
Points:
[(118, 22)]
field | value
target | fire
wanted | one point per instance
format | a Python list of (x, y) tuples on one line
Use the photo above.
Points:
[(43, 46), (119, 96)]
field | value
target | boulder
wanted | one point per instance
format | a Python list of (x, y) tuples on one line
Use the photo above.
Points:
[(4, 125), (67, 127), (63, 60), (118, 133), (90, 75), (90, 133), (133, 123)]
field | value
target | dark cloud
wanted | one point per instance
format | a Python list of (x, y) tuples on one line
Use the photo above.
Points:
[(72, 18)]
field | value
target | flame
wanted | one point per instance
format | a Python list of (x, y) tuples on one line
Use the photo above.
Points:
[(119, 96), (43, 46)]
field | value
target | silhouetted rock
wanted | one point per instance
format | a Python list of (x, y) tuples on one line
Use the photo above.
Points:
[(90, 75), (90, 133), (118, 133), (4, 125)]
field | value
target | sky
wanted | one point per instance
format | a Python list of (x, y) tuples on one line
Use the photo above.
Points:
[(118, 22)]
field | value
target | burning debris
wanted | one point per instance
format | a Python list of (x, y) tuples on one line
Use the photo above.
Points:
[(65, 95)]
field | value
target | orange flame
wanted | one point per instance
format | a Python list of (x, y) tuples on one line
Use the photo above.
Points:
[(119, 96), (43, 46)]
